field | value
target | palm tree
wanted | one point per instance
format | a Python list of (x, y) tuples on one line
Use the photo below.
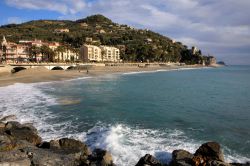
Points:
[(51, 55), (34, 51), (45, 53), (48, 54)]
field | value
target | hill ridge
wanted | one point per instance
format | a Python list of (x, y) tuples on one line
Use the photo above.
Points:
[(139, 45)]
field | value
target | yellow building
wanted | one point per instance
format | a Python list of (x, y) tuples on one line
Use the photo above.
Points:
[(99, 54), (91, 53), (110, 54)]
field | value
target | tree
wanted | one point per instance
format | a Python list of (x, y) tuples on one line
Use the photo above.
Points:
[(51, 55), (34, 51), (48, 54), (44, 52)]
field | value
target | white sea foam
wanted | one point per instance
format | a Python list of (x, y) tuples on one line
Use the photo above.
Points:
[(164, 70), (126, 144), (31, 105), (139, 72)]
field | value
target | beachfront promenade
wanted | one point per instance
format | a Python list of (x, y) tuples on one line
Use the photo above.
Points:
[(16, 67)]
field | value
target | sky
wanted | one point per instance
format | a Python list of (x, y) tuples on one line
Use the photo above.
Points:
[(217, 27)]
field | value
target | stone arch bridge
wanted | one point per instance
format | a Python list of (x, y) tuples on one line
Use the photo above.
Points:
[(19, 67)]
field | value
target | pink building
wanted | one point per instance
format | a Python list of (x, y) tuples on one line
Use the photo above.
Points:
[(13, 53)]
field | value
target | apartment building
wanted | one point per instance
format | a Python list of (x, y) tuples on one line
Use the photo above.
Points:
[(99, 54), (90, 53), (110, 54)]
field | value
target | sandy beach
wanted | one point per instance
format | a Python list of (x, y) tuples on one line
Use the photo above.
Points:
[(41, 74)]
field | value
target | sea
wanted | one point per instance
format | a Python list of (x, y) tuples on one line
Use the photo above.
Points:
[(138, 113)]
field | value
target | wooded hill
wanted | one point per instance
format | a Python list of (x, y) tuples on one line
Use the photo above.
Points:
[(135, 44)]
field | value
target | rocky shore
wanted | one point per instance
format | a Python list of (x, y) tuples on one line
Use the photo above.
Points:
[(20, 145)]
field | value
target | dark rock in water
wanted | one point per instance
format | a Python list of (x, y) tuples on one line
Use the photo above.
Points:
[(182, 158), (44, 145), (240, 164), (181, 155), (22, 132), (209, 151), (148, 160), (101, 157), (221, 63)]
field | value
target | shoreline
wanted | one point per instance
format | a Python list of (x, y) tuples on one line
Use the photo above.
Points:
[(41, 74)]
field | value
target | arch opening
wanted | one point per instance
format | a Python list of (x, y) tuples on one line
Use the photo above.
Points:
[(57, 68), (17, 69), (71, 68)]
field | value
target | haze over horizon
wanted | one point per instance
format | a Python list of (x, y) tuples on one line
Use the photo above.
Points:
[(221, 28)]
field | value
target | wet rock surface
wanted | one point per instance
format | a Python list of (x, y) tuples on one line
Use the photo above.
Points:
[(148, 160), (20, 145)]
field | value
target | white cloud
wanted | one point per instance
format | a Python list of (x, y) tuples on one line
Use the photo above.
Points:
[(14, 20), (61, 6)]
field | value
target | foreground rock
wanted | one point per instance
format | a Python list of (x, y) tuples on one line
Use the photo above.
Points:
[(20, 145), (208, 154), (182, 157), (22, 132), (148, 160), (210, 151)]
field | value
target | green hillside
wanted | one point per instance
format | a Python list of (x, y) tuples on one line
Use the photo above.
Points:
[(135, 44)]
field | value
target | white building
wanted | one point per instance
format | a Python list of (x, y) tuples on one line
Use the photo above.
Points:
[(61, 30)]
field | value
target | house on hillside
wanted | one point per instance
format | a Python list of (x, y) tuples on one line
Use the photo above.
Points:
[(65, 30), (84, 25)]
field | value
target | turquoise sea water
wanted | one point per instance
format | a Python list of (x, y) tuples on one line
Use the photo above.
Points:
[(133, 114)]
